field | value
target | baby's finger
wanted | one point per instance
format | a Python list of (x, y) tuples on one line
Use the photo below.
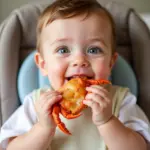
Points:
[(97, 98), (89, 102), (96, 89), (99, 86), (50, 102), (46, 96), (104, 94), (48, 93), (94, 106)]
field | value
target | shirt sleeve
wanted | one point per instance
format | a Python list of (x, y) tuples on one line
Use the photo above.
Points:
[(132, 116), (20, 122)]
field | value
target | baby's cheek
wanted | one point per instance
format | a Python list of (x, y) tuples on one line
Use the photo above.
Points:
[(56, 77), (54, 82), (103, 72)]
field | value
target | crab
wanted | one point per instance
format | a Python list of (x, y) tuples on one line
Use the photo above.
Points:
[(71, 105)]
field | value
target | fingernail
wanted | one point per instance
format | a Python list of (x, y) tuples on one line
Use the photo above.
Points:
[(59, 96)]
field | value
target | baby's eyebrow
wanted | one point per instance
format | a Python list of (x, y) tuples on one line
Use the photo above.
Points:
[(61, 40), (97, 39), (92, 39)]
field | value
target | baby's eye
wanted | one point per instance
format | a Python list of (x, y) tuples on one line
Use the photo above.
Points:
[(94, 50), (63, 50)]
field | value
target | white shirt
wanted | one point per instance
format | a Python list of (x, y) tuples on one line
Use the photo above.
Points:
[(24, 118)]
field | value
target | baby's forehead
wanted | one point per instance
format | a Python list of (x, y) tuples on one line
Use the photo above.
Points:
[(94, 20)]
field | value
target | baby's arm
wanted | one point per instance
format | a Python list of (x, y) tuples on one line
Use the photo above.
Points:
[(38, 138), (117, 136), (41, 134)]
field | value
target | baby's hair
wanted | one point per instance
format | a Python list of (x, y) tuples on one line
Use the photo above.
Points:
[(63, 9)]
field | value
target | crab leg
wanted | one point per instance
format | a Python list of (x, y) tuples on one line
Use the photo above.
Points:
[(61, 125), (96, 82), (69, 115)]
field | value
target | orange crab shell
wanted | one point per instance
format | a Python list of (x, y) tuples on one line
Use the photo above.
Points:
[(73, 93)]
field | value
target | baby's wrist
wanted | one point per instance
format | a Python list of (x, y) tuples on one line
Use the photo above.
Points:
[(47, 130), (102, 123)]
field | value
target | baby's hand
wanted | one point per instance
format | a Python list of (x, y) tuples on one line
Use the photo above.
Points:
[(99, 100), (43, 108)]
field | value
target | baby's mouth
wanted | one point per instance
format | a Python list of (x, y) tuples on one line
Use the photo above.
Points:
[(78, 76)]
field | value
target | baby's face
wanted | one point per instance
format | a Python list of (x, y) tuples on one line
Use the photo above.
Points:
[(73, 47)]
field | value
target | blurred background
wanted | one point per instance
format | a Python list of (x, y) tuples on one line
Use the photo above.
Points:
[(141, 6)]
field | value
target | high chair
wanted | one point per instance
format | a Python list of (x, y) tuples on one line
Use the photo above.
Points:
[(19, 74)]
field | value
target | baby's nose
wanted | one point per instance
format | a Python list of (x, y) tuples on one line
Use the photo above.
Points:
[(80, 63)]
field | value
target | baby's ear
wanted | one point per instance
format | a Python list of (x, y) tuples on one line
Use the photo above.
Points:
[(40, 63), (113, 59)]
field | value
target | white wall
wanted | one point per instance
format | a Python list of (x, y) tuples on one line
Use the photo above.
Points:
[(146, 18), (141, 6), (6, 6)]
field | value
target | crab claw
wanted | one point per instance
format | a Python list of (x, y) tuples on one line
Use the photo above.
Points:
[(96, 82), (61, 125), (69, 115)]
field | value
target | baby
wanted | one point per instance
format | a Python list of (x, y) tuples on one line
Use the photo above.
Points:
[(77, 38)]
